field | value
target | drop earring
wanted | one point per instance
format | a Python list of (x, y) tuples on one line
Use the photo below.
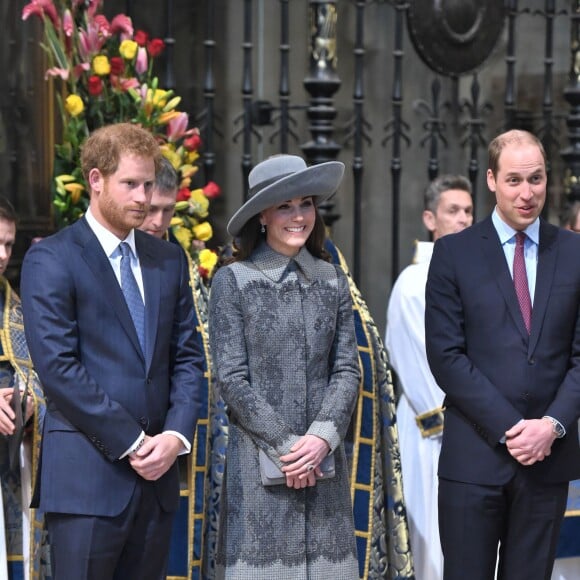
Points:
[(263, 229)]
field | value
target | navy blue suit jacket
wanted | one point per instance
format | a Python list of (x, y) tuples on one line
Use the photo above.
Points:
[(492, 372), (101, 389)]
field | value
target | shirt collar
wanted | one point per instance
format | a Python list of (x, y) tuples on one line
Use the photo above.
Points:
[(108, 240), (506, 233), (274, 265)]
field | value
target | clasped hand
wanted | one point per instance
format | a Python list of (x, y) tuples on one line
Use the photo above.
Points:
[(530, 440), (308, 450), (156, 455)]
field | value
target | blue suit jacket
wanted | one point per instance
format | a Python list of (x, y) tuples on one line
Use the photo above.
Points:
[(492, 372), (101, 389)]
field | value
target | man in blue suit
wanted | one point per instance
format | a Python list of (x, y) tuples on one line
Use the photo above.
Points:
[(120, 372), (503, 341)]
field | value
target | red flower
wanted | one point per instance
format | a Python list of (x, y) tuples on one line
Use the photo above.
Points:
[(192, 143), (183, 194), (117, 65), (155, 47), (202, 272), (95, 86), (211, 190), (141, 37)]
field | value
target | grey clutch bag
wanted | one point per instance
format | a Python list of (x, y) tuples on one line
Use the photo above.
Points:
[(271, 475)]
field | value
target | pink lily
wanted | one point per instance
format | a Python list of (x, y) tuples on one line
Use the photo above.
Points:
[(90, 41), (68, 23), (122, 25), (94, 5), (103, 26), (177, 127), (127, 84), (79, 69), (41, 8), (141, 62), (54, 71)]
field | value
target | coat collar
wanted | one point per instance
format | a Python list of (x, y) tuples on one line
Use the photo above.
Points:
[(274, 265)]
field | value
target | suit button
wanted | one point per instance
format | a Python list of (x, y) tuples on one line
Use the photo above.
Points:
[(525, 396), (532, 361), (149, 381)]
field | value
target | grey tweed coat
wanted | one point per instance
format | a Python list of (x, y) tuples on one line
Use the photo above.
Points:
[(285, 356)]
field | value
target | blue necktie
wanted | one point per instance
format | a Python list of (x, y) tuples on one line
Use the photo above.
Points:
[(132, 293)]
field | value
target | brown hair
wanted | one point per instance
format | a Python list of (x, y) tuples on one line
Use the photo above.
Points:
[(103, 149), (250, 236), (7, 211), (515, 136)]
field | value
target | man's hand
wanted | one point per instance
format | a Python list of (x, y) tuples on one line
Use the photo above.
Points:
[(156, 455), (530, 440), (7, 415)]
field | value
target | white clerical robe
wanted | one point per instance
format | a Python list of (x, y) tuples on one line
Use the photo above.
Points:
[(405, 343)]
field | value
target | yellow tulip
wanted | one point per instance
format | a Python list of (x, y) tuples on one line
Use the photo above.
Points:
[(101, 65), (171, 156), (176, 221), (201, 202), (183, 236), (207, 259), (203, 231), (128, 49), (180, 206), (74, 105)]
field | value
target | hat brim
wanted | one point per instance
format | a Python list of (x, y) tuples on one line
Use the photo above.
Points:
[(319, 181)]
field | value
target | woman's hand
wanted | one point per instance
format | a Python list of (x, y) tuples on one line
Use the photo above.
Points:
[(304, 460)]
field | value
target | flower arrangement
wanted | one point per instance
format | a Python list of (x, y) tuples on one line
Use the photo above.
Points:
[(106, 73)]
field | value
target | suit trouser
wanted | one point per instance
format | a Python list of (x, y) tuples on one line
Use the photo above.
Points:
[(133, 545), (523, 517)]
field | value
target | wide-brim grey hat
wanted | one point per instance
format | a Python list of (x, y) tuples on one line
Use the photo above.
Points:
[(283, 177)]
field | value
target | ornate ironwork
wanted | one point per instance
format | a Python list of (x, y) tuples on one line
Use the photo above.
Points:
[(247, 129), (571, 154), (474, 132), (168, 71), (208, 117), (397, 132), (358, 132), (434, 127), (510, 59), (321, 83)]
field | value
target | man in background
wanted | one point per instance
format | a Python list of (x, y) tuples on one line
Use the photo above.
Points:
[(21, 533), (448, 208), (162, 206)]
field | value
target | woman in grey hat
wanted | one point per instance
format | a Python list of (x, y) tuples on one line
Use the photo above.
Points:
[(285, 358)]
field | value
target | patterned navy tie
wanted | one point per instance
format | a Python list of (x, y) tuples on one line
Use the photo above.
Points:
[(132, 293), (521, 281)]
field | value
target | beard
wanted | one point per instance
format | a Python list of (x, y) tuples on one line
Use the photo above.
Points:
[(120, 218)]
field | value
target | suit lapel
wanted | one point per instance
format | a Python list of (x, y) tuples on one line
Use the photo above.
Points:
[(547, 255), (98, 262), (152, 286), (500, 272)]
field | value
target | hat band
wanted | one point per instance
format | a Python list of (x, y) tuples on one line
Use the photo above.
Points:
[(266, 182)]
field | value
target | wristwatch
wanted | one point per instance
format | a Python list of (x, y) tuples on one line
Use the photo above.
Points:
[(557, 427)]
